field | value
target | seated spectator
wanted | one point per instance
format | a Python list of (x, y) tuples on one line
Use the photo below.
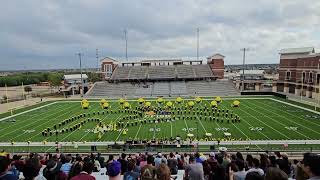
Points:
[(206, 169), (275, 174), (114, 170), (31, 169), (148, 171), (158, 159), (194, 170), (124, 163), (163, 172), (101, 160), (130, 174), (85, 174), (76, 168), (53, 172), (253, 176), (66, 164), (311, 165), (5, 174), (173, 164), (241, 173), (219, 172), (198, 159), (256, 167)]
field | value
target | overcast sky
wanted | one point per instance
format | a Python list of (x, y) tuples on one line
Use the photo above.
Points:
[(37, 34)]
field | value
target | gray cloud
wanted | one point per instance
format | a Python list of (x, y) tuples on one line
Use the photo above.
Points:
[(47, 34)]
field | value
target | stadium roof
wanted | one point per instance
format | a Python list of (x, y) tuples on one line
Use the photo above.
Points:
[(303, 50), (75, 76), (216, 56), (108, 59)]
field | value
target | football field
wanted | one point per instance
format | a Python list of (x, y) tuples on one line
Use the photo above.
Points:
[(259, 119)]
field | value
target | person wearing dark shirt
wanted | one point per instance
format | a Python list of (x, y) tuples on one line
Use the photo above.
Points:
[(5, 174), (130, 174), (124, 163)]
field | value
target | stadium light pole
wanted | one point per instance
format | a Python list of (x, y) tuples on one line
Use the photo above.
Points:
[(97, 56), (126, 39), (243, 64), (198, 44), (82, 89), (318, 81)]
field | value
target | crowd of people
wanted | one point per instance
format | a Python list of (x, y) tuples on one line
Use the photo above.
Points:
[(145, 166)]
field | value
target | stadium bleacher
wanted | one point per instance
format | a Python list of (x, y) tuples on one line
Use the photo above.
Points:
[(162, 72), (165, 88)]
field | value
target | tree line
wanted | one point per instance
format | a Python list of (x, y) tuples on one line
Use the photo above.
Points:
[(54, 78)]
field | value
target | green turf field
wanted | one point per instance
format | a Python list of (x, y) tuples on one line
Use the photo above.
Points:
[(260, 119)]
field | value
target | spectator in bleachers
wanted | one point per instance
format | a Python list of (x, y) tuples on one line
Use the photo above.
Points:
[(256, 167), (206, 169), (85, 174), (52, 170), (219, 172), (163, 172), (241, 173), (124, 163), (31, 169), (66, 164), (249, 161), (76, 168), (101, 160), (148, 171), (253, 176), (130, 174), (173, 164), (311, 165), (158, 159), (194, 170), (5, 173), (114, 170), (264, 162), (197, 158), (275, 174)]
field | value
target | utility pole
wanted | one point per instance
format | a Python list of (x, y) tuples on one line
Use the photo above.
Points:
[(244, 61), (97, 56), (82, 89), (198, 44), (125, 36)]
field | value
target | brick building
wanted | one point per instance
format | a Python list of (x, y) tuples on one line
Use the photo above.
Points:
[(108, 65), (216, 63), (299, 72)]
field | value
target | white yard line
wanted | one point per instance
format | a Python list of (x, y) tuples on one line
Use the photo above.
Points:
[(29, 118), (239, 128), (296, 117), (277, 121), (138, 131), (33, 109), (76, 131), (56, 117), (121, 132), (266, 124), (171, 129), (185, 122), (251, 124), (33, 122)]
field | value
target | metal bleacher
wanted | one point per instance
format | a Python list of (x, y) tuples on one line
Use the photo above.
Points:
[(181, 72), (163, 88), (161, 72), (178, 88), (202, 71), (185, 71), (138, 72)]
